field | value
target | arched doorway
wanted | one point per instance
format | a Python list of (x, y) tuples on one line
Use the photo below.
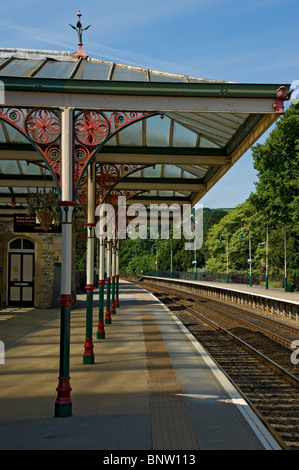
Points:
[(20, 272)]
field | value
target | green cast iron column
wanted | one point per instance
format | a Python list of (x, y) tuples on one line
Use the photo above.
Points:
[(108, 279), (113, 311), (63, 403), (101, 327), (117, 275), (88, 355)]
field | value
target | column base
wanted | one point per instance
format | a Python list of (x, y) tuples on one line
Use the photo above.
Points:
[(89, 359), (88, 356), (113, 312), (108, 317), (63, 411), (101, 330)]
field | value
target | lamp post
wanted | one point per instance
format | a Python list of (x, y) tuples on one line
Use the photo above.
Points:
[(195, 265), (250, 261), (156, 262), (170, 256), (220, 242), (285, 261), (267, 257)]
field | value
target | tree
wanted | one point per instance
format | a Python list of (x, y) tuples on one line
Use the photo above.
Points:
[(277, 163), (243, 219)]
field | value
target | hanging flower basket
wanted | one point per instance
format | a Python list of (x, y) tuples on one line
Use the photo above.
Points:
[(45, 217), (43, 205)]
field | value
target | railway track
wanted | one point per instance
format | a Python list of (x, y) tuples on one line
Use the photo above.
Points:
[(252, 350)]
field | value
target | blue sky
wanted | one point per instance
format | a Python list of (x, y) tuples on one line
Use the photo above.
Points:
[(256, 42)]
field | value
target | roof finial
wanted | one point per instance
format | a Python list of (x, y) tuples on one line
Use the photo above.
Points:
[(79, 29)]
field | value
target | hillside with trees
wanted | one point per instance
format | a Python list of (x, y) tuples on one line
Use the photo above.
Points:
[(273, 208)]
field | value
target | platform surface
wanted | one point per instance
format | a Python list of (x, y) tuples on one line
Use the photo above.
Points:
[(151, 387), (271, 292)]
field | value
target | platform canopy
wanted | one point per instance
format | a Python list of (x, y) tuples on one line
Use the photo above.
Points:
[(200, 129)]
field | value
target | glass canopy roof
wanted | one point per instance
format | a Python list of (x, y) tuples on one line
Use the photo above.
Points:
[(184, 148)]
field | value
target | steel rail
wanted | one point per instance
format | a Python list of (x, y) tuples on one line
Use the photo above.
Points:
[(257, 354), (281, 340)]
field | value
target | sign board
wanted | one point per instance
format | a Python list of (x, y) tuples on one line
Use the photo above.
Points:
[(26, 223)]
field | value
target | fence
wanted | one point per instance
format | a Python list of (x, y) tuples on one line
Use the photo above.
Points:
[(257, 279)]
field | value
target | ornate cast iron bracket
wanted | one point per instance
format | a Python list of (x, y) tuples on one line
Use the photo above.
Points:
[(42, 127), (92, 129), (281, 96)]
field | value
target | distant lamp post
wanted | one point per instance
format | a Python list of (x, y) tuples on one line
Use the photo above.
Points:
[(195, 266), (170, 256), (220, 242), (267, 257), (285, 261), (156, 262), (249, 260)]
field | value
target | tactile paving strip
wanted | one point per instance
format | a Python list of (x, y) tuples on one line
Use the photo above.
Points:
[(171, 425)]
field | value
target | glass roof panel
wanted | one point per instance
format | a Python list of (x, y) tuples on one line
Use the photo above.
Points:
[(29, 168), (171, 171), (5, 190), (9, 167), (19, 190), (19, 68), (128, 74), (198, 171), (208, 143), (166, 77), (165, 193), (157, 131), (2, 136), (111, 141), (14, 135), (182, 193), (152, 172), (183, 137), (90, 70), (56, 69)]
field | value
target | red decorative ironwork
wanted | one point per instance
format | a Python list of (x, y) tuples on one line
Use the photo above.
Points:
[(108, 175), (92, 129), (42, 127), (281, 96)]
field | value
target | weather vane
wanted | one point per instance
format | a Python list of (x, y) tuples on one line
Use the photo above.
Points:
[(79, 29)]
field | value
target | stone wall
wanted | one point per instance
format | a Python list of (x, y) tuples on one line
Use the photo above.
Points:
[(47, 253)]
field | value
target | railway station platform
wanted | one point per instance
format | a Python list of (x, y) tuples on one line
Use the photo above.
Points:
[(151, 388), (273, 292), (273, 301)]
